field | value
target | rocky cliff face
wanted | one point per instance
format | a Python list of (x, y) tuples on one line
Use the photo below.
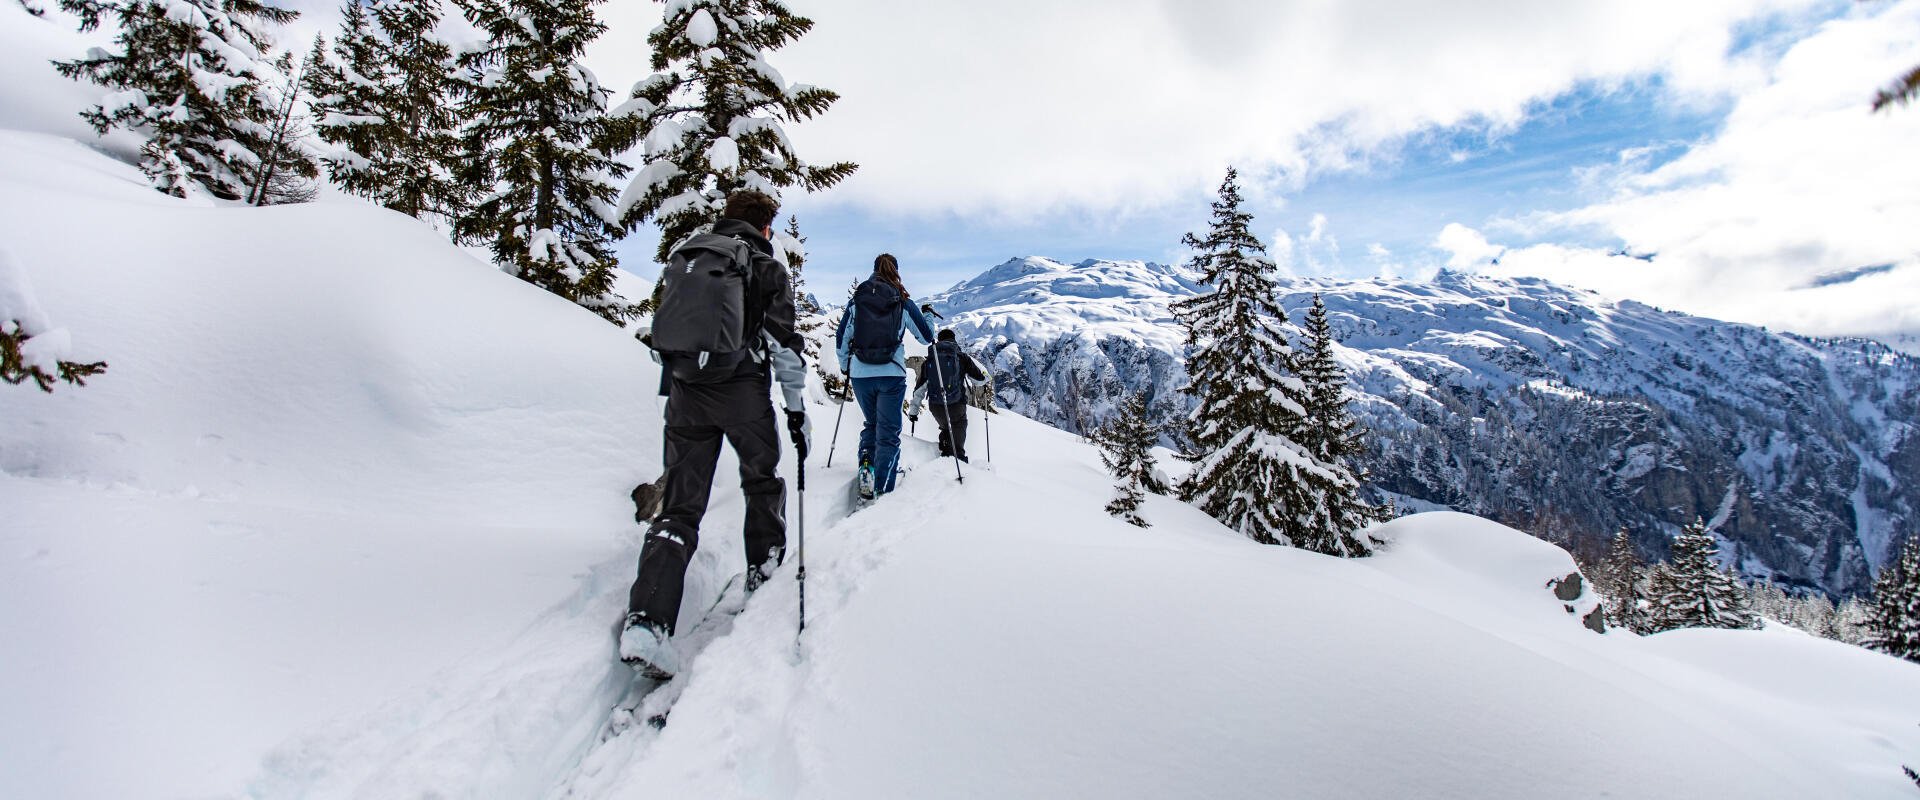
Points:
[(1554, 409)]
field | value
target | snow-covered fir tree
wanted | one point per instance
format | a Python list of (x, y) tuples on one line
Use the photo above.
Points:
[(1620, 577), (1329, 432), (807, 313), (1893, 615), (1126, 448), (287, 169), (1690, 591), (539, 136), (187, 76), (710, 116), (1249, 472), (386, 101)]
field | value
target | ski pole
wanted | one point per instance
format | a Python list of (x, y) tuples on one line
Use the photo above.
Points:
[(800, 473), (988, 417), (836, 433), (942, 375)]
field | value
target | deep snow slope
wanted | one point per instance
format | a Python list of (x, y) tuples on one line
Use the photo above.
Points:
[(330, 455), (1551, 408)]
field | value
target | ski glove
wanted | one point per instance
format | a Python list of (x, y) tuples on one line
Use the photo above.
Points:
[(801, 430)]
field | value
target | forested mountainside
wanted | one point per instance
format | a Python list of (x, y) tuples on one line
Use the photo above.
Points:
[(1556, 410)]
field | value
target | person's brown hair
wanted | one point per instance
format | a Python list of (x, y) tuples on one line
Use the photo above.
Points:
[(751, 207), (887, 268)]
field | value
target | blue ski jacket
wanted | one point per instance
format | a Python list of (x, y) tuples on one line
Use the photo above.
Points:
[(910, 321)]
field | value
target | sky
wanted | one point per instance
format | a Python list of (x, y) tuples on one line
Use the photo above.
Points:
[(1726, 143)]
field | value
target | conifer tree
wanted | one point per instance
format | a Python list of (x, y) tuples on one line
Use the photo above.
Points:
[(1893, 615), (710, 116), (187, 77), (1620, 578), (806, 312), (388, 105), (1250, 472), (286, 175), (1330, 433), (1689, 591), (540, 137), (1126, 448)]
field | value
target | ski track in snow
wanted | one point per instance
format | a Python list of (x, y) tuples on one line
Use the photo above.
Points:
[(525, 721), (744, 686)]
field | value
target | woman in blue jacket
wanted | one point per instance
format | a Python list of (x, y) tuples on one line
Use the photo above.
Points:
[(873, 353)]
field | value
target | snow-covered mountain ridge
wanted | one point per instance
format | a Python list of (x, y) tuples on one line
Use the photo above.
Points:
[(1549, 408)]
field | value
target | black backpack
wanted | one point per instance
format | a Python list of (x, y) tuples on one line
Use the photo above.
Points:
[(948, 384), (701, 329), (876, 322)]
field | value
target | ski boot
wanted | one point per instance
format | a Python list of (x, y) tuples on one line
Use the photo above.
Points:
[(867, 480), (645, 647)]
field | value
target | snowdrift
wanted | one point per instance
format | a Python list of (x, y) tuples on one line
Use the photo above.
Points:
[(347, 517)]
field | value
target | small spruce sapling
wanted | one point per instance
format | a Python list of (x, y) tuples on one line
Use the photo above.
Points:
[(807, 314), (1126, 448)]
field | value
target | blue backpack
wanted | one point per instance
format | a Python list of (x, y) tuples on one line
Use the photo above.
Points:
[(948, 384), (876, 322)]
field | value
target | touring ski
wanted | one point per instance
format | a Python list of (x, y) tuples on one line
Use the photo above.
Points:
[(649, 699)]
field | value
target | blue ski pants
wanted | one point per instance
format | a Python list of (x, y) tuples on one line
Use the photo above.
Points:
[(880, 400)]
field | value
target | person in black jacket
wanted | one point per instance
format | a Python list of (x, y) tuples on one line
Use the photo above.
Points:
[(943, 383), (698, 416)]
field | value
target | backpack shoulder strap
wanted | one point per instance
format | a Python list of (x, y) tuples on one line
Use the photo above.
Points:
[(756, 307)]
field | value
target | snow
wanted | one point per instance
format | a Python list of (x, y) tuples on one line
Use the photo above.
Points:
[(18, 308), (701, 29), (348, 517), (723, 155), (666, 136)]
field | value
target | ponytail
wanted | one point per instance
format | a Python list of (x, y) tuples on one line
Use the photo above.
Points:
[(887, 269)]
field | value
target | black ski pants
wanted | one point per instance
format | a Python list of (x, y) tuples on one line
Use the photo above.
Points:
[(953, 428), (698, 417)]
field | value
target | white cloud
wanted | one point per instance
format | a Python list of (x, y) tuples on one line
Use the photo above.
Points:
[(1010, 108), (1466, 248), (1281, 249), (1801, 181)]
